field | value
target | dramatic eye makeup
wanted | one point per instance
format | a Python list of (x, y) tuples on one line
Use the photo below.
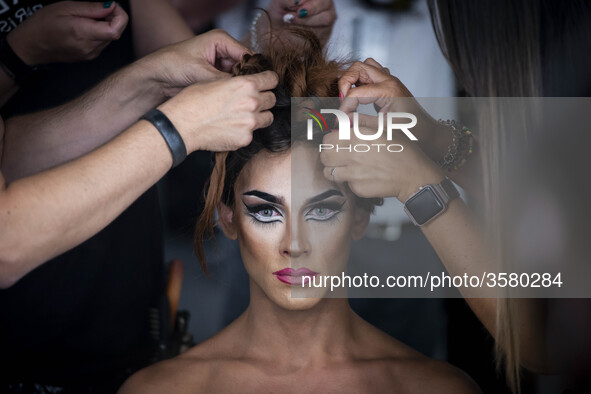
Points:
[(325, 206), (266, 211), (268, 208)]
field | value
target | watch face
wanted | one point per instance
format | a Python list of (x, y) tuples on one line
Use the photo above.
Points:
[(424, 205)]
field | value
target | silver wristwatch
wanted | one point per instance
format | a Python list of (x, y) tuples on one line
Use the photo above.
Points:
[(430, 201)]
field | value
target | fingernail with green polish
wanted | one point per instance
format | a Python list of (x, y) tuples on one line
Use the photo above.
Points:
[(297, 2), (303, 13), (107, 4)]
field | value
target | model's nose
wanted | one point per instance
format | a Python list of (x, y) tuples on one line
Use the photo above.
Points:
[(296, 241)]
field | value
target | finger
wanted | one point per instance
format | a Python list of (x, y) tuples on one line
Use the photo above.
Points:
[(331, 138), (98, 30), (349, 104), (358, 74), (267, 100), (368, 121), (264, 119), (118, 20), (370, 94), (372, 62), (323, 19), (208, 73), (92, 10), (228, 48), (335, 174), (225, 64), (310, 8), (366, 94), (265, 80), (332, 158)]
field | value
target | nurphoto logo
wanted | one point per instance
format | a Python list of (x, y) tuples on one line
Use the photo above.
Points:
[(345, 126)]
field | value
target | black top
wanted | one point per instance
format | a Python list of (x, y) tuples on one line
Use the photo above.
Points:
[(82, 318)]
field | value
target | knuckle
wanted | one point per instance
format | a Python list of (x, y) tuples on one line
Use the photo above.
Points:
[(245, 139), (248, 84), (111, 35), (250, 121), (76, 32), (392, 83), (275, 77), (357, 64), (116, 34), (250, 104), (217, 32), (272, 101), (269, 118)]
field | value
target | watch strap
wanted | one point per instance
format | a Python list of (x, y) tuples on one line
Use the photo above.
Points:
[(446, 190)]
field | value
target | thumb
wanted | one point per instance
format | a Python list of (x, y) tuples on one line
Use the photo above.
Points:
[(206, 73), (229, 49), (93, 10)]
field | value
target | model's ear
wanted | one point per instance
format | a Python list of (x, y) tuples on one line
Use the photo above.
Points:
[(226, 221), (360, 222)]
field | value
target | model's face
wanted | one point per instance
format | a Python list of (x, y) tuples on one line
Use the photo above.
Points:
[(290, 222)]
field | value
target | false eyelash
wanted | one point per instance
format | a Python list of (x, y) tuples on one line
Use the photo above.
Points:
[(252, 211)]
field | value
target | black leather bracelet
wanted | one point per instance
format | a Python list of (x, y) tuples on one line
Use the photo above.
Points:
[(13, 65), (169, 133)]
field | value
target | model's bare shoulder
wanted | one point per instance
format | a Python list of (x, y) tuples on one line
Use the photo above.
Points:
[(425, 375), (178, 375), (412, 371), (200, 369), (452, 379)]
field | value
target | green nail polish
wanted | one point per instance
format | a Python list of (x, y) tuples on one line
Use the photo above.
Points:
[(297, 2), (303, 13), (107, 4)]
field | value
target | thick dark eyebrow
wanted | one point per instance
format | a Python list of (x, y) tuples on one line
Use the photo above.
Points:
[(264, 196), (324, 196)]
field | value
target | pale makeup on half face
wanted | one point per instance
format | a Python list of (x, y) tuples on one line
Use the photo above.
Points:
[(291, 221)]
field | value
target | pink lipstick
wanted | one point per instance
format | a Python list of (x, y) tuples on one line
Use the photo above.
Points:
[(294, 277)]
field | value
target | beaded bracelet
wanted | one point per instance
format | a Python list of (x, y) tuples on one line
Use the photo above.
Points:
[(254, 45), (461, 146)]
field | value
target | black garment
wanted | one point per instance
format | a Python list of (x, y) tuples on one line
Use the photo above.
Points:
[(83, 318)]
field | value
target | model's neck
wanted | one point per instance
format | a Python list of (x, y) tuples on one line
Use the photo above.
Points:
[(313, 336)]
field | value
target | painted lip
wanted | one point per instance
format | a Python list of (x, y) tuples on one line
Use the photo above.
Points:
[(294, 277)]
